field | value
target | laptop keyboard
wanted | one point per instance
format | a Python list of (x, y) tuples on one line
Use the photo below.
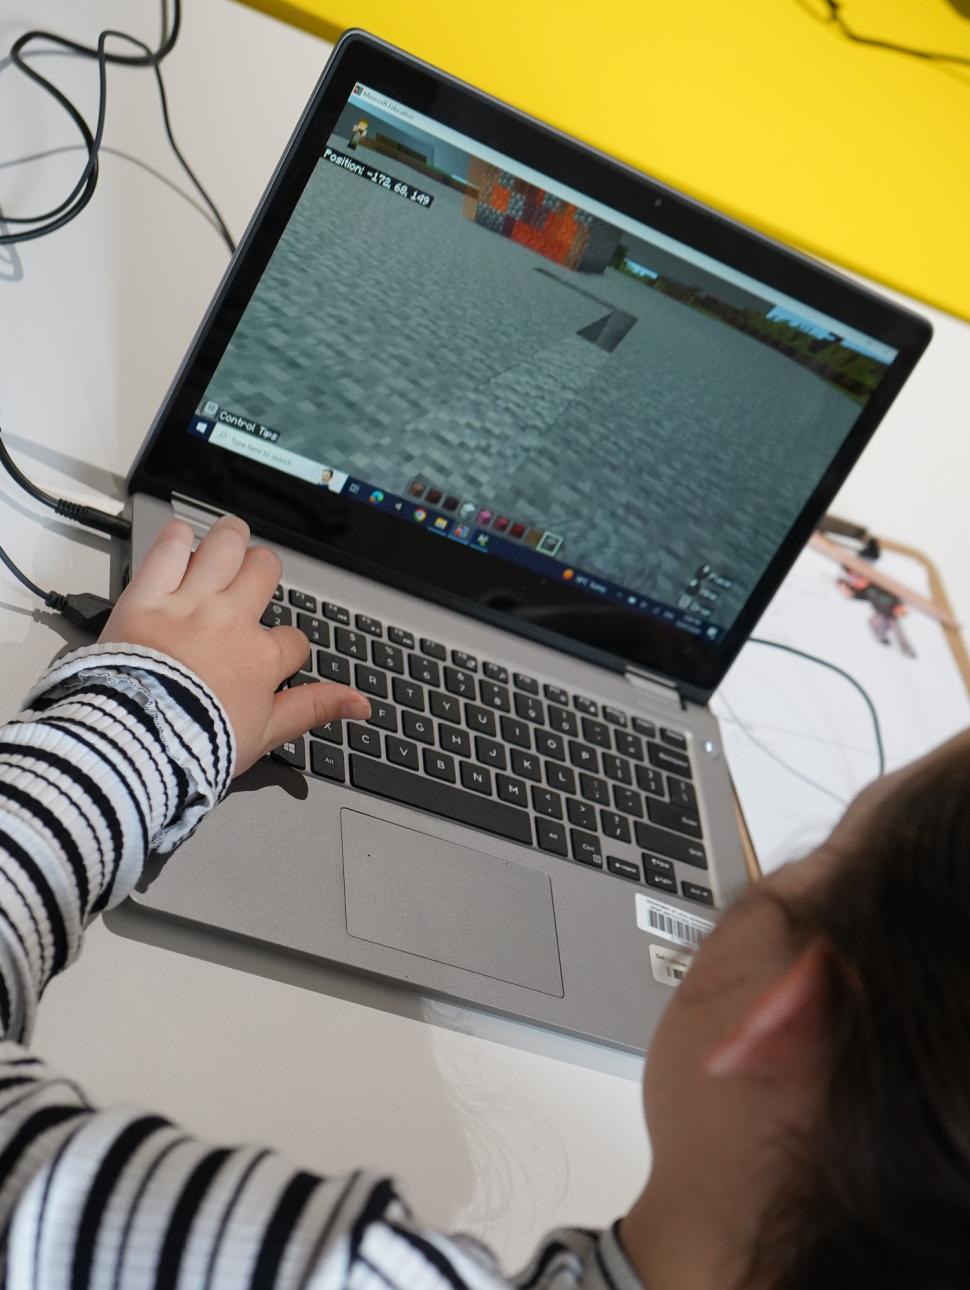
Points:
[(475, 742)]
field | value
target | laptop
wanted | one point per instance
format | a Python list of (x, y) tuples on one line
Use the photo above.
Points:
[(536, 439)]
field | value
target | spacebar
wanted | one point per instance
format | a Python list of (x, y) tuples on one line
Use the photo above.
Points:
[(429, 795)]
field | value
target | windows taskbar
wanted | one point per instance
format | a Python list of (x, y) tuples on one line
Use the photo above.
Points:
[(486, 542)]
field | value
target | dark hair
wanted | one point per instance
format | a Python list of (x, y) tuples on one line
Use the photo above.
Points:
[(879, 1189)]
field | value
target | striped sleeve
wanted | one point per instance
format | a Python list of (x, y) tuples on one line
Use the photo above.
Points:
[(119, 751)]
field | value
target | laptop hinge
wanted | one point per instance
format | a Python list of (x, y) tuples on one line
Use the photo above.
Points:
[(658, 687), (199, 514)]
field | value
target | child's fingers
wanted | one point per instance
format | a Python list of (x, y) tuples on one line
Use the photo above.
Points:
[(296, 711), (217, 558), (256, 580), (293, 650), (163, 567)]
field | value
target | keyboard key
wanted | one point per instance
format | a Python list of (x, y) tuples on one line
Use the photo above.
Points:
[(511, 790), (664, 881), (552, 837), (400, 752), (555, 694), (546, 802), (614, 716), (453, 803), (560, 777), (594, 790), (516, 732), (667, 759), (293, 753), (455, 741), (675, 738), (433, 649), (275, 615), (364, 623), (672, 845), (529, 708), (562, 720), (490, 753), (682, 792), (446, 707), (424, 670), (627, 800), (526, 765), (528, 684), (650, 780), (303, 600), (316, 630), (623, 868), (460, 683), (594, 732), (479, 720), (586, 848), (408, 694), (364, 739), (333, 732), (581, 814), (327, 761), (467, 661), (417, 726), (614, 826), (383, 715), (627, 744), (657, 863), (389, 657), (301, 678), (644, 727), (495, 672), (674, 817), (398, 636), (332, 668), (370, 681), (336, 613), (550, 745), (495, 696), (278, 593), (477, 778), (582, 756), (439, 765), (352, 643), (582, 704), (695, 892), (617, 768)]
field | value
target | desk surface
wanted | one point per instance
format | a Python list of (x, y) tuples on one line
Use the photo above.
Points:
[(93, 322), (762, 109)]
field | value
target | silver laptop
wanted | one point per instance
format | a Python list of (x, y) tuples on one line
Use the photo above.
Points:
[(536, 439)]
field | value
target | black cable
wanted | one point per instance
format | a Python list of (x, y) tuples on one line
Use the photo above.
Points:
[(85, 610), (833, 667), (79, 512), (83, 190), (835, 15)]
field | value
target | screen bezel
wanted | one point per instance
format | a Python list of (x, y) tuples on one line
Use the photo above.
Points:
[(382, 546)]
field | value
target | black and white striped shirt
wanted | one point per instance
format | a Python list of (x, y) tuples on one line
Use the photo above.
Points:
[(119, 751)]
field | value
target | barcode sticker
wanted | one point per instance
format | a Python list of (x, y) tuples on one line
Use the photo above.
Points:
[(669, 966), (673, 924)]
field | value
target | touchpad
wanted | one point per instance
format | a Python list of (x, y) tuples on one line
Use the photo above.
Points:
[(449, 903)]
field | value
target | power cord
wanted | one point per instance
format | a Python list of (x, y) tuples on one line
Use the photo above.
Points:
[(823, 662), (85, 610), (83, 190)]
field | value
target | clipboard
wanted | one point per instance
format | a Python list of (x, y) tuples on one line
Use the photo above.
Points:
[(955, 645)]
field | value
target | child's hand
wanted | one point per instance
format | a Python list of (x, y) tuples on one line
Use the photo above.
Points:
[(203, 609)]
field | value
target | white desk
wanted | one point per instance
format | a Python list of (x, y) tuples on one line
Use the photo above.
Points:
[(505, 1139)]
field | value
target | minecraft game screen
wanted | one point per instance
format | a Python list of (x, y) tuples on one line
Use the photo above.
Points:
[(442, 333)]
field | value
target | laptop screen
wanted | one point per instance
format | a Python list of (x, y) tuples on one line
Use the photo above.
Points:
[(454, 338)]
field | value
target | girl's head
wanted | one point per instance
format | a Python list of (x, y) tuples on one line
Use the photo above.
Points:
[(810, 1081)]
